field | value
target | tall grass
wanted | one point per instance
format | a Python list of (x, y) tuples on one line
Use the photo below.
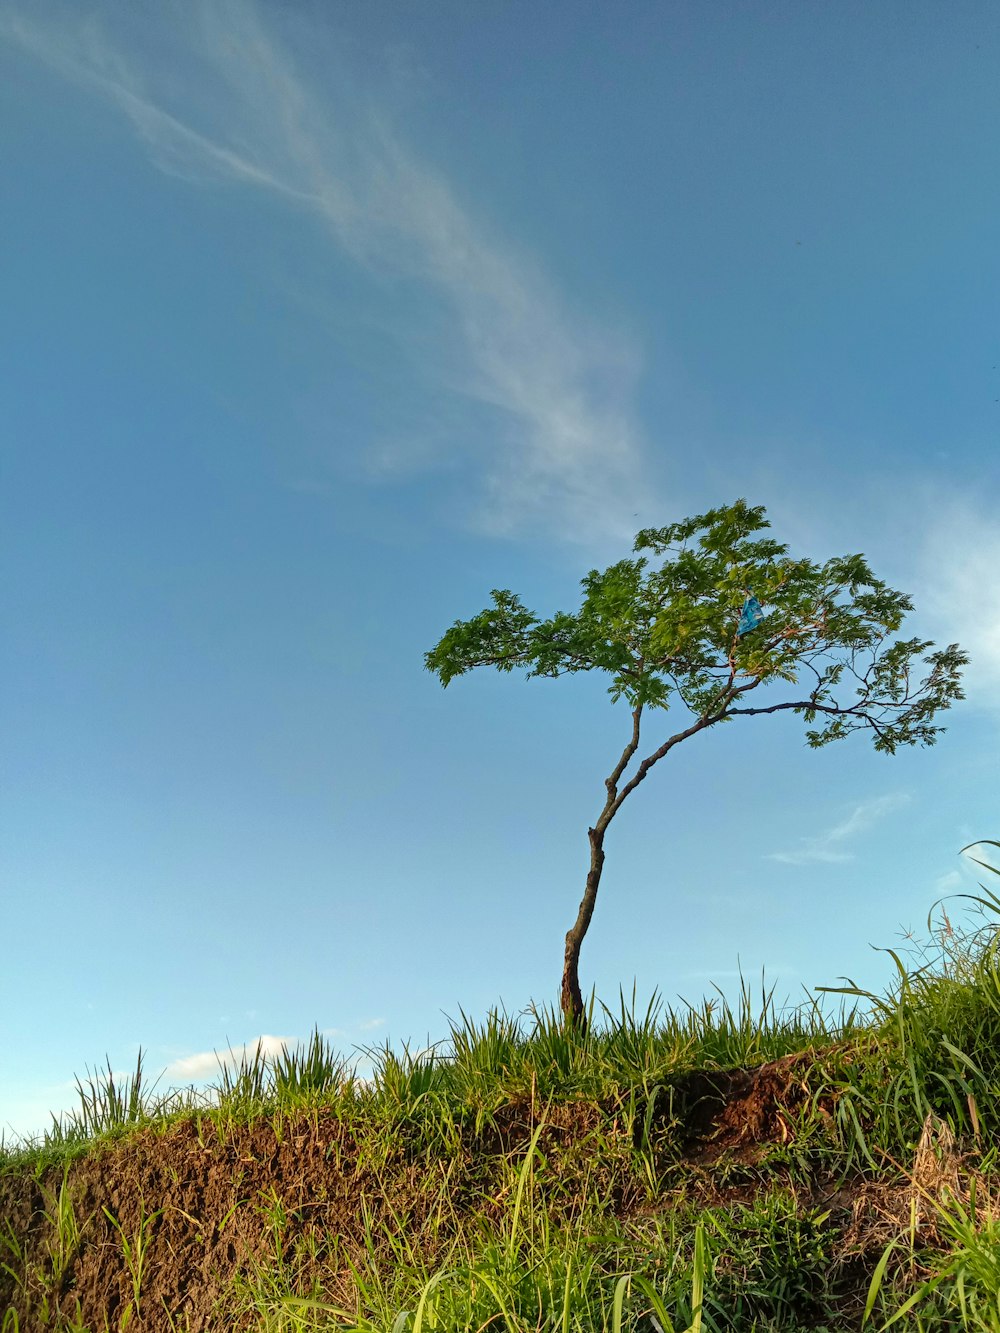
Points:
[(933, 1041), (526, 1274)]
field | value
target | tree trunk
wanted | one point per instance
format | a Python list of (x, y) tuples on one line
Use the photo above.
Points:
[(571, 999)]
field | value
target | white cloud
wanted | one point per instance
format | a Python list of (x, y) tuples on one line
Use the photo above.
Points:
[(983, 856), (369, 1024), (960, 589), (831, 846), (194, 1068), (948, 882), (216, 98)]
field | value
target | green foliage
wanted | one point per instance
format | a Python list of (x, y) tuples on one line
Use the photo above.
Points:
[(664, 627), (775, 1263), (294, 1076)]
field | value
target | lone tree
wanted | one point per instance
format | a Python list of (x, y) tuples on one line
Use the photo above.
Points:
[(723, 624)]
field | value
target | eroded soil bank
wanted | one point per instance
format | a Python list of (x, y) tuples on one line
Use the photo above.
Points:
[(188, 1226)]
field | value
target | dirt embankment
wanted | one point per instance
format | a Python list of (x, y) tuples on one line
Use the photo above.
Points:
[(185, 1224)]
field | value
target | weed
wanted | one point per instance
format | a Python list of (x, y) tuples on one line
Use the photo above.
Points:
[(135, 1247)]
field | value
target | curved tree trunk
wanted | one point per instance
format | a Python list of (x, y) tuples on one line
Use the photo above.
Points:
[(571, 998), (571, 1001)]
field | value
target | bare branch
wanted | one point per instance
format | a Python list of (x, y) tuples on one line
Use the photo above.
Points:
[(802, 704), (612, 782), (641, 772)]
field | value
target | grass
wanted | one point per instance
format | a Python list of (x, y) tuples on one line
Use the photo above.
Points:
[(736, 1166)]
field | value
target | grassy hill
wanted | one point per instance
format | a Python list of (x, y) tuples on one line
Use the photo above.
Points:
[(722, 1169)]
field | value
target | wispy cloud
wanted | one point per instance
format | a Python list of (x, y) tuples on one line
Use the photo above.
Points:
[(833, 845), (961, 590), (194, 1068), (217, 98)]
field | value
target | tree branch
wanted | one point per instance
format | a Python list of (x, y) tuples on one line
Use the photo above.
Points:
[(802, 704), (614, 806), (612, 782)]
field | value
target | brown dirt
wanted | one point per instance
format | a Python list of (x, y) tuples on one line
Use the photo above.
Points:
[(213, 1210), (204, 1207), (735, 1111)]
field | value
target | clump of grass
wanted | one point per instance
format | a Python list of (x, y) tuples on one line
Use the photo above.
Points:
[(932, 1046), (293, 1078), (109, 1105)]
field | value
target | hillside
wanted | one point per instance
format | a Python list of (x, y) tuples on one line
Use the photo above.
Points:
[(748, 1169)]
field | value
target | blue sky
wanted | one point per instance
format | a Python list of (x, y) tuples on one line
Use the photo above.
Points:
[(320, 321)]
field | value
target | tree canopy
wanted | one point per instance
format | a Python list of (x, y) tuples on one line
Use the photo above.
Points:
[(664, 627)]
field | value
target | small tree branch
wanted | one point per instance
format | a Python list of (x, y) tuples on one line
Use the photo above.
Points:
[(612, 781), (801, 704), (613, 806)]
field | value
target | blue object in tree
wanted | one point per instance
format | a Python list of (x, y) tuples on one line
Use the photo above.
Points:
[(750, 617)]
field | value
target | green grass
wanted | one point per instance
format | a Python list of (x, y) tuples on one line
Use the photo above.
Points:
[(526, 1176)]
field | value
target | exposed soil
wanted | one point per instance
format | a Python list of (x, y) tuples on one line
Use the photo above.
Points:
[(735, 1110), (208, 1211)]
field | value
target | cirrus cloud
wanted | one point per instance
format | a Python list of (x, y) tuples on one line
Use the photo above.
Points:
[(833, 845), (562, 448)]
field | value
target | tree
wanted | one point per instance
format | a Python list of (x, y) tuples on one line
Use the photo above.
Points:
[(723, 624)]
